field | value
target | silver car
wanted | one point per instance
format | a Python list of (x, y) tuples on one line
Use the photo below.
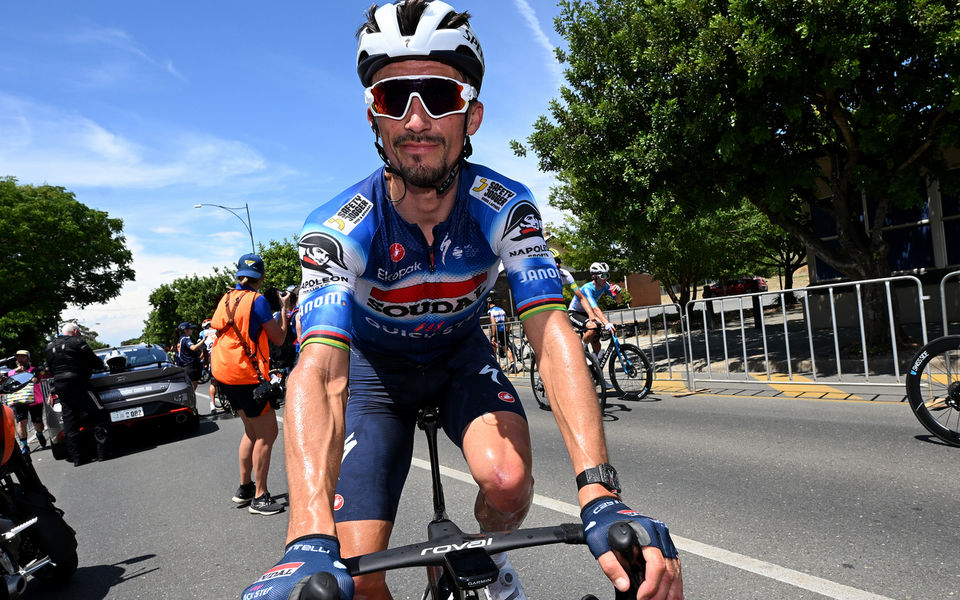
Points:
[(140, 385)]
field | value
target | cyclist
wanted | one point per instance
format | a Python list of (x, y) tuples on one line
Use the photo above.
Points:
[(566, 279), (587, 315), (499, 330), (395, 272)]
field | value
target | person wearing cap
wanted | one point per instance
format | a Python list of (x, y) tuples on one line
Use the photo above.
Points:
[(188, 353), (71, 362), (396, 270), (240, 361), (32, 409)]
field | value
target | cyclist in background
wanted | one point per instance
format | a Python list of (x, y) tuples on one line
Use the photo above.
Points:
[(587, 315), (499, 330), (396, 270), (566, 279)]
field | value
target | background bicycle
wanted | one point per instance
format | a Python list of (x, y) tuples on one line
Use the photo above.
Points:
[(933, 387)]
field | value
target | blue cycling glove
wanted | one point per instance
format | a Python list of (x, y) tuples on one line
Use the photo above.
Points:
[(304, 557), (600, 514)]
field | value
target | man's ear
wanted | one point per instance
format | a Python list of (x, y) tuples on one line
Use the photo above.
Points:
[(474, 117), (373, 122)]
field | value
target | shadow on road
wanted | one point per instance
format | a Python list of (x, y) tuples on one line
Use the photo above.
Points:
[(92, 583)]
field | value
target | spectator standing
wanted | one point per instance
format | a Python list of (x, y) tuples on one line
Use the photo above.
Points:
[(240, 362), (208, 335), (71, 362), (499, 331), (188, 353), (32, 409)]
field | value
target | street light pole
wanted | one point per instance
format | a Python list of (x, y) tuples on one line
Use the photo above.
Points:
[(246, 223)]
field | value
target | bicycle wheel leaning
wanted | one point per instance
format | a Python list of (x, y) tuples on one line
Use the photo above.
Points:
[(933, 387), (593, 365), (630, 371), (536, 384)]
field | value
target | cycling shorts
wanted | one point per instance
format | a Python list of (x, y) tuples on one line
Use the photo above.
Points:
[(22, 411), (501, 338), (386, 393), (578, 319)]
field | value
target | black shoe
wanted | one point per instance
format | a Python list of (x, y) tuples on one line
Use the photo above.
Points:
[(41, 439), (265, 505), (245, 493)]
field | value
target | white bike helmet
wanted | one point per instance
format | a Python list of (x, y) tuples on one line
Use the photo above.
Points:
[(598, 268), (458, 47)]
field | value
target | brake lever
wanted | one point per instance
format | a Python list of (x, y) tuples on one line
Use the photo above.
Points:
[(626, 547)]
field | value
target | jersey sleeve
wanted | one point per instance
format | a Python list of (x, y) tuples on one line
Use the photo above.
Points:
[(516, 236), (332, 258)]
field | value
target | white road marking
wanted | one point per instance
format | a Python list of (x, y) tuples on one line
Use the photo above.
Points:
[(797, 579)]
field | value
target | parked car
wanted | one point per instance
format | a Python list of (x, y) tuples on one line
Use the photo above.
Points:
[(139, 386), (733, 287)]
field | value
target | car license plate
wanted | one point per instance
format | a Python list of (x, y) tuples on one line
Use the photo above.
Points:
[(127, 413)]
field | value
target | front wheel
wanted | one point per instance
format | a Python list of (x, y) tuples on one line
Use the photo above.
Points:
[(933, 388), (630, 371), (536, 384), (54, 538)]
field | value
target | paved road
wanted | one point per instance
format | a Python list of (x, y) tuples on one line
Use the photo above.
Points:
[(769, 498)]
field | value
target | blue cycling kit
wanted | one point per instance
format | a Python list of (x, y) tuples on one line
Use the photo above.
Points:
[(498, 316), (592, 294), (600, 514), (409, 313), (370, 279)]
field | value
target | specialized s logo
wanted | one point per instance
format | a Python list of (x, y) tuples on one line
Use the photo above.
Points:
[(320, 252), (523, 222)]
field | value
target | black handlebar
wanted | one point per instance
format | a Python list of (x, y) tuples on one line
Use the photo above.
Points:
[(626, 547), (319, 586), (623, 541)]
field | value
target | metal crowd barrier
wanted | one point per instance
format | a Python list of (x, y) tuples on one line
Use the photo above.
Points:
[(943, 299), (817, 326)]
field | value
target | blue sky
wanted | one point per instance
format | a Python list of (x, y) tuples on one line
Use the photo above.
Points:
[(145, 109)]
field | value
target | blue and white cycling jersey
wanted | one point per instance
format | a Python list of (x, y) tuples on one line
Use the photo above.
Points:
[(498, 316), (592, 294), (370, 279)]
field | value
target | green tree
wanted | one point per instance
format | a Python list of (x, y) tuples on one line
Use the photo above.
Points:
[(775, 101), (192, 299), (281, 262), (54, 251)]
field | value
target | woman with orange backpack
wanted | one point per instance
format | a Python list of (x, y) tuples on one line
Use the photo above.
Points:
[(240, 364)]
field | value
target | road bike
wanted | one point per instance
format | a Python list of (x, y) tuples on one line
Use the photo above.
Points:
[(630, 371), (933, 387), (458, 564), (596, 373)]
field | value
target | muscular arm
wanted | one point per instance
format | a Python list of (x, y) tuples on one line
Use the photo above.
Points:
[(313, 437), (571, 392)]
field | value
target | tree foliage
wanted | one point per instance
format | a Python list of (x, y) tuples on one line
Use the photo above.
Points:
[(54, 251), (194, 298), (707, 102)]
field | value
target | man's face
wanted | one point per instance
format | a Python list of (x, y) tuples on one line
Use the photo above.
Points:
[(424, 149), (23, 360)]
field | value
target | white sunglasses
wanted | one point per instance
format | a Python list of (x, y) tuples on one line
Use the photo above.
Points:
[(440, 96)]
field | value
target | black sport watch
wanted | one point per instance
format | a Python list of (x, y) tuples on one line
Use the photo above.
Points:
[(604, 474)]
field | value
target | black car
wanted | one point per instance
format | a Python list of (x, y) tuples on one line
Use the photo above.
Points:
[(140, 386)]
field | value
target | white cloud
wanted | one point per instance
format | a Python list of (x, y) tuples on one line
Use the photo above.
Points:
[(43, 144), (125, 43), (540, 36), (122, 318)]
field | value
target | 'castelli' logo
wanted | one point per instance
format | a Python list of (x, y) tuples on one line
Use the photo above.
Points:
[(397, 252), (337, 502), (506, 397)]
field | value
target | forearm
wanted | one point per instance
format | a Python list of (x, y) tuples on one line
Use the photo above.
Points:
[(313, 438), (572, 397)]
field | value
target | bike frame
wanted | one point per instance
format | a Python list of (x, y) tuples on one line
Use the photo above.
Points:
[(614, 343)]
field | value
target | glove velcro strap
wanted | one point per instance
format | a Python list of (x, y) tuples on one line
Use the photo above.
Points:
[(313, 536)]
